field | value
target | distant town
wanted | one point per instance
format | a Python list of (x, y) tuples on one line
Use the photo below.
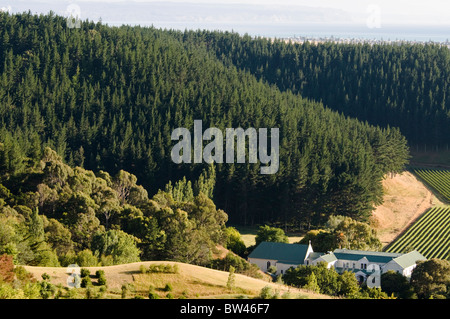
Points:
[(315, 40)]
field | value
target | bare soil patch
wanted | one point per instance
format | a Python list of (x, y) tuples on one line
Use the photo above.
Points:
[(405, 200)]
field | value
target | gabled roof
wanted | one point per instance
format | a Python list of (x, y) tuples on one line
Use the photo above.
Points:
[(281, 252), (315, 255), (372, 256), (340, 270), (330, 257), (409, 259)]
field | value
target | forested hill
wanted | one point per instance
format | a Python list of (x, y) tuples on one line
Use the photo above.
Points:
[(405, 86), (108, 98)]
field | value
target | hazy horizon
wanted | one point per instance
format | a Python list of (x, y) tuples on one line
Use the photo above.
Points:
[(384, 19)]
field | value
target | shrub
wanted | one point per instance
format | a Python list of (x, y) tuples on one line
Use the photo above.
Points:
[(142, 269), (231, 279), (101, 292), (124, 291), (101, 277), (163, 268), (47, 258), (184, 295), (86, 282), (107, 260), (168, 287), (67, 259), (45, 276), (272, 270), (23, 275), (234, 241), (85, 272), (89, 293), (272, 234), (152, 294), (47, 289), (6, 268), (241, 265), (101, 280), (266, 293), (86, 258)]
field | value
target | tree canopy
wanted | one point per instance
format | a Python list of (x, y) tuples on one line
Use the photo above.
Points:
[(399, 85), (107, 99), (57, 217)]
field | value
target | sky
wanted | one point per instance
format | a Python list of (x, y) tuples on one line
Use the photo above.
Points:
[(419, 12), (224, 14)]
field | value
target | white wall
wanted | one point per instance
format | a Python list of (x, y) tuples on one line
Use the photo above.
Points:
[(262, 263), (392, 265), (408, 271), (284, 267)]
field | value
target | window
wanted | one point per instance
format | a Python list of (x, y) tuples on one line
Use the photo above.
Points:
[(268, 264)]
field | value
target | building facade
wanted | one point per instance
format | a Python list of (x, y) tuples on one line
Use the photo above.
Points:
[(362, 263)]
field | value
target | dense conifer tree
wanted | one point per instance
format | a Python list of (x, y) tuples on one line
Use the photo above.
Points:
[(107, 99)]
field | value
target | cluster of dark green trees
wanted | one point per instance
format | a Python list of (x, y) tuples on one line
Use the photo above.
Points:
[(54, 215), (107, 98), (402, 85)]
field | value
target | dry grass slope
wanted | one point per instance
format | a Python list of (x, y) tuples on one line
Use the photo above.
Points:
[(405, 200), (191, 281)]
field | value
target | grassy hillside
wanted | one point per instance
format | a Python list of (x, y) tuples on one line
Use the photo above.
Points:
[(191, 282)]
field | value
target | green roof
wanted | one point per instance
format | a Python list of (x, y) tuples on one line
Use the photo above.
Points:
[(329, 257), (283, 253), (409, 259), (372, 256), (315, 255)]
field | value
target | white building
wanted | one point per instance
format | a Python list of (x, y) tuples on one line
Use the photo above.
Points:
[(282, 256), (362, 263)]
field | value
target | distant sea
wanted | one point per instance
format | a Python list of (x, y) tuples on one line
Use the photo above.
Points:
[(295, 21), (385, 33)]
